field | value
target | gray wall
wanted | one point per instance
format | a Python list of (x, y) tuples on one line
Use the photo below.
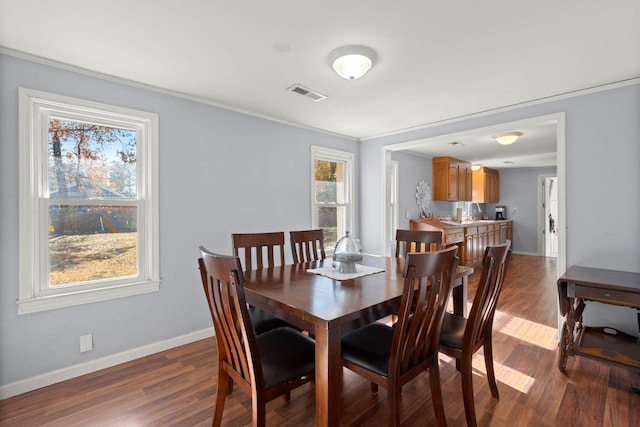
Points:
[(602, 180), (519, 189), (220, 172), (411, 169), (260, 170), (602, 152)]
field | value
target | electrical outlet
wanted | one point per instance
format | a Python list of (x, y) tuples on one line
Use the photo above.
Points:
[(406, 214), (86, 343)]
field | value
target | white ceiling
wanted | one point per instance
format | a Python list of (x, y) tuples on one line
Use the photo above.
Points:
[(436, 60)]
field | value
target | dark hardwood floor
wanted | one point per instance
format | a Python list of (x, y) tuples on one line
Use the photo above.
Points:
[(178, 386)]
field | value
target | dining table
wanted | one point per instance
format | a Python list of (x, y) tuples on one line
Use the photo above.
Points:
[(328, 307)]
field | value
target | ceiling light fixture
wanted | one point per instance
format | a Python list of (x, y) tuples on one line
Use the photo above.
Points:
[(508, 137), (352, 62), (476, 167)]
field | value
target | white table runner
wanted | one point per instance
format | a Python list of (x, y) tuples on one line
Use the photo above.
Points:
[(333, 273)]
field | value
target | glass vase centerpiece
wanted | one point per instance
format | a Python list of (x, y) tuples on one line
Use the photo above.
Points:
[(347, 252)]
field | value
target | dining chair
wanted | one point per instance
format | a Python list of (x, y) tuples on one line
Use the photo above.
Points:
[(260, 250), (261, 247), (417, 241), (462, 337), (392, 356), (307, 245), (265, 366)]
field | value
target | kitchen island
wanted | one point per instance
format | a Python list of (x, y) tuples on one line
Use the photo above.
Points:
[(471, 237)]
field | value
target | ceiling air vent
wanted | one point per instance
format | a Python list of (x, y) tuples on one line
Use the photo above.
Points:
[(299, 89)]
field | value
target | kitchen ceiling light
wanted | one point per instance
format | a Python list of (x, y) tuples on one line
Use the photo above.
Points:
[(508, 137), (476, 167), (352, 62)]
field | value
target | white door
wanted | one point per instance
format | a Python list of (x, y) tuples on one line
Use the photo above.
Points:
[(551, 217)]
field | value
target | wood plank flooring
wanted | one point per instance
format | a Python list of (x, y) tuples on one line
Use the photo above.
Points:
[(177, 387)]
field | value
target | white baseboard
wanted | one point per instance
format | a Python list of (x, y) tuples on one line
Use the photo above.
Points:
[(43, 380), (526, 253)]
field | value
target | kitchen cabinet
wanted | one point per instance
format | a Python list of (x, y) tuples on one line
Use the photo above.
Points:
[(486, 185), (475, 240), (451, 234), (477, 236), (472, 238), (452, 179)]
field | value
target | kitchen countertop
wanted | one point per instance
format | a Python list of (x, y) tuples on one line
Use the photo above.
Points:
[(445, 223)]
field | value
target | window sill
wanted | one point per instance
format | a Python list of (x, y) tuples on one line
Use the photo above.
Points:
[(53, 302)]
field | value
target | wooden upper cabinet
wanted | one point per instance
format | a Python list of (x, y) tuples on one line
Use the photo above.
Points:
[(486, 186), (452, 179)]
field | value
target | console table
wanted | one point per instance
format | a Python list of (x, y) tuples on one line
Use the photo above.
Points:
[(581, 284)]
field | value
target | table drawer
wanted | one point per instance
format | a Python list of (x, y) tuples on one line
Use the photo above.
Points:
[(630, 299), (452, 238)]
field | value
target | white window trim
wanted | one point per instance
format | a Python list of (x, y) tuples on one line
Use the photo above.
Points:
[(332, 155), (34, 108)]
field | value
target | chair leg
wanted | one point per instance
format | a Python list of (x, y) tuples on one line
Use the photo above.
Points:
[(393, 395), (259, 412), (491, 375), (436, 394), (467, 389), (221, 394)]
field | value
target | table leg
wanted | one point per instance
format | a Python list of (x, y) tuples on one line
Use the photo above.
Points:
[(328, 376), (460, 297)]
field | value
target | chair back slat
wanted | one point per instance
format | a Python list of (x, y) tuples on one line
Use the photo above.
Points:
[(417, 241), (495, 263), (307, 245), (427, 285), (223, 284), (252, 247)]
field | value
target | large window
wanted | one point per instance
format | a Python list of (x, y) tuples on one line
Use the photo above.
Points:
[(332, 192), (88, 202)]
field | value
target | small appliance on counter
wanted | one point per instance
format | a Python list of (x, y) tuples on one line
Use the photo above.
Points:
[(501, 212)]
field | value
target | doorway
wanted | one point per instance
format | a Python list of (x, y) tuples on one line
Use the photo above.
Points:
[(549, 214), (558, 120)]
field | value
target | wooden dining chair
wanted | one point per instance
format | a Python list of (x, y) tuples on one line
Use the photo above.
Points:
[(417, 241), (307, 245), (260, 250), (392, 356), (265, 366), (462, 337)]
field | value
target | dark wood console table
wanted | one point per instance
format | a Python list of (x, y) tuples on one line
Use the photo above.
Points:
[(581, 284)]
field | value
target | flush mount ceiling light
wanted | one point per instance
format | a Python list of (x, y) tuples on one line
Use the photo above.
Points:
[(352, 62), (508, 137), (476, 167)]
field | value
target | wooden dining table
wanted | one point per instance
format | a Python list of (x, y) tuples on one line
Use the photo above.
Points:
[(328, 308)]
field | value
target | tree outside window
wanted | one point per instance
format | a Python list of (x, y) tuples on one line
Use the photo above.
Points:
[(332, 179), (88, 202)]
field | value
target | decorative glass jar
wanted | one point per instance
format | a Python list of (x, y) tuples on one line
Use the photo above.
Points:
[(347, 252)]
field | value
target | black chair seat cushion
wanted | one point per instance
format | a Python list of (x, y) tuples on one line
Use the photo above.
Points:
[(453, 327), (369, 347), (263, 321), (286, 354)]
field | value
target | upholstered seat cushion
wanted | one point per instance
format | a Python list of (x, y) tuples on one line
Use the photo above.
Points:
[(286, 354), (369, 347), (452, 333), (263, 321)]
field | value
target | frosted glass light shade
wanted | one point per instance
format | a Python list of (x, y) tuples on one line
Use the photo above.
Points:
[(352, 62), (508, 138)]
